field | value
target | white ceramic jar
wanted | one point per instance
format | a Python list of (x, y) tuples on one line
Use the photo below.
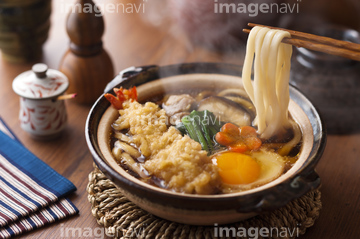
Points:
[(41, 114)]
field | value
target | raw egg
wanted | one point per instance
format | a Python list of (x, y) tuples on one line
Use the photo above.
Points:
[(237, 168), (243, 172)]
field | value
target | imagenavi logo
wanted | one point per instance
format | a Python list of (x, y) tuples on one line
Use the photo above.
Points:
[(253, 9)]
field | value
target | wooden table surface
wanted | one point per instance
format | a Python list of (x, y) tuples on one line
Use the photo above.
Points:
[(130, 41)]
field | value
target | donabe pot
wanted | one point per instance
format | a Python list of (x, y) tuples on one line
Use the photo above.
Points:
[(204, 209)]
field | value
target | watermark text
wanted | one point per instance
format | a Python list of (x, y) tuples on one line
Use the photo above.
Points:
[(253, 9), (103, 7)]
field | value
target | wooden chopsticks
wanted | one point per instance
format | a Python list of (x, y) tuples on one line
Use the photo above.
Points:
[(318, 43)]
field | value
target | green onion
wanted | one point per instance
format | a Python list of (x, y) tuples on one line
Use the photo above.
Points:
[(201, 126), (181, 127), (190, 128)]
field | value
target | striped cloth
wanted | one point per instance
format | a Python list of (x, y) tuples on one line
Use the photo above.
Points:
[(31, 193)]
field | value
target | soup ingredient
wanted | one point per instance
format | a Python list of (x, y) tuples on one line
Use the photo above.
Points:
[(238, 139), (247, 104), (122, 137), (269, 91), (201, 126), (240, 97), (177, 160), (271, 165), (127, 160), (226, 110), (122, 95), (237, 168), (124, 147), (185, 167), (178, 104), (145, 124)]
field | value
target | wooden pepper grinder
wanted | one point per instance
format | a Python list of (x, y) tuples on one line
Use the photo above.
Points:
[(86, 63)]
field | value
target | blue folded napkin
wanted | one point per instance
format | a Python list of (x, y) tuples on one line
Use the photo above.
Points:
[(31, 193)]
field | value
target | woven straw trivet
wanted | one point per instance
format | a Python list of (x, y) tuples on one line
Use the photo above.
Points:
[(123, 219)]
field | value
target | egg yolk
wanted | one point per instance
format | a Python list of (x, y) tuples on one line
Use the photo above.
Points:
[(237, 168)]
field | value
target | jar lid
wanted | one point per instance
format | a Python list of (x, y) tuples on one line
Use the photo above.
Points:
[(40, 83)]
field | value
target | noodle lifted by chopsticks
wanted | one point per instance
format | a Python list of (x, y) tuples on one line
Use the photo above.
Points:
[(269, 91)]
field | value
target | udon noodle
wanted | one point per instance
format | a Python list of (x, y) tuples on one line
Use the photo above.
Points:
[(270, 90)]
